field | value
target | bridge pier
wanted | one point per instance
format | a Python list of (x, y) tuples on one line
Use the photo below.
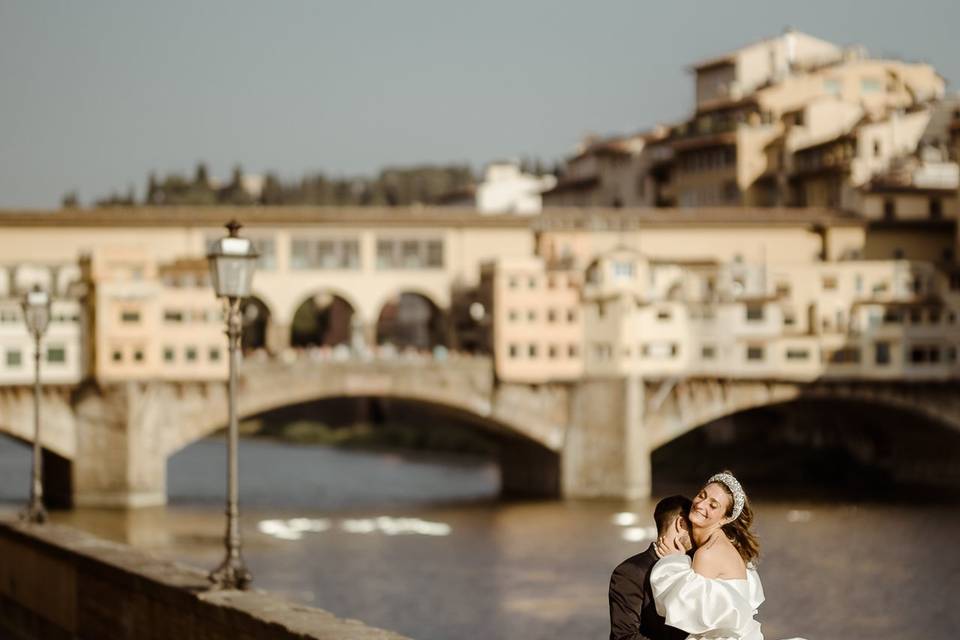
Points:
[(120, 460), (606, 452)]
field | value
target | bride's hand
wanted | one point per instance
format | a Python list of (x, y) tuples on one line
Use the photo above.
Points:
[(663, 549)]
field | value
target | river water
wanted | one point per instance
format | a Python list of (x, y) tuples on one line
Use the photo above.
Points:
[(420, 545)]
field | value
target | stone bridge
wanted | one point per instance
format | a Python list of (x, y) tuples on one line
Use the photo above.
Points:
[(108, 445)]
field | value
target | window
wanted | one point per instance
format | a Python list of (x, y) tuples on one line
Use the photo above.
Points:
[(573, 351), (755, 353), (708, 352), (551, 316), (170, 315), (832, 86), (138, 355), (663, 315), (117, 355), (754, 313), (789, 319), (829, 283), (14, 358), (169, 354), (410, 253), (916, 316), (532, 282), (552, 352), (881, 353), (532, 315), (214, 354), (889, 209), (514, 351), (266, 248), (845, 355), (532, 350), (571, 315), (795, 354), (622, 269), (56, 354), (512, 283), (191, 354), (922, 354), (783, 289), (951, 354), (342, 253), (936, 208), (513, 315), (892, 316), (129, 316)]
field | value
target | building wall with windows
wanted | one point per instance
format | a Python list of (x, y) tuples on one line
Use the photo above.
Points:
[(535, 320), (150, 321)]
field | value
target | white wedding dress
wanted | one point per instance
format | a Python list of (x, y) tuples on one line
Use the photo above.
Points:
[(717, 609)]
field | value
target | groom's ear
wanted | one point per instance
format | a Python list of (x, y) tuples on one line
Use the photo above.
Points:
[(680, 523)]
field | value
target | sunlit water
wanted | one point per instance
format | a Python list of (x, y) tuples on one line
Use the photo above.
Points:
[(418, 546)]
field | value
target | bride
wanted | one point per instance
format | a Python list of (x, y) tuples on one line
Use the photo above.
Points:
[(716, 594)]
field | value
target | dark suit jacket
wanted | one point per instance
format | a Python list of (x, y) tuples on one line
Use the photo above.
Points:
[(633, 614)]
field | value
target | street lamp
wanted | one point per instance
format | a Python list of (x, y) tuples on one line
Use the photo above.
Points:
[(36, 313), (232, 261)]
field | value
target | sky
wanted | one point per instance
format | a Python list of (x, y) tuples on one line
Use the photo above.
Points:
[(94, 95)]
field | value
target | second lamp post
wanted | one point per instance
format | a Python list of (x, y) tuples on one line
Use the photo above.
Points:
[(36, 314), (232, 262)]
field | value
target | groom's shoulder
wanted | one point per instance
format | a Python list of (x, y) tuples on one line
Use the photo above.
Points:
[(637, 564)]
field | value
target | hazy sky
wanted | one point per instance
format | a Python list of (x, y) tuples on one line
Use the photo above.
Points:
[(96, 94)]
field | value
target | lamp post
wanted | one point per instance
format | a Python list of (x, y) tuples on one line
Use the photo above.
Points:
[(36, 313), (232, 261)]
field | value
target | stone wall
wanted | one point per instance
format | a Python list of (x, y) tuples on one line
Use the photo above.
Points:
[(56, 582)]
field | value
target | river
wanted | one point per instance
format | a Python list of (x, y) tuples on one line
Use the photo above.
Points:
[(418, 544)]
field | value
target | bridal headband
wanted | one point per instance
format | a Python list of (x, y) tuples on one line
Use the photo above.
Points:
[(731, 483)]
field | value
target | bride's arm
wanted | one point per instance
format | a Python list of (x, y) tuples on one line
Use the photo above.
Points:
[(696, 604)]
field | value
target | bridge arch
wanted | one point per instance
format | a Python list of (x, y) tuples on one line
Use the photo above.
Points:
[(693, 403), (257, 319), (898, 430), (411, 317), (324, 318)]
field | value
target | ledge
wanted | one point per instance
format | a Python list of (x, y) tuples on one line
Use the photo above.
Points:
[(60, 582)]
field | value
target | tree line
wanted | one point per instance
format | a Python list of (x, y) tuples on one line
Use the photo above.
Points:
[(391, 187)]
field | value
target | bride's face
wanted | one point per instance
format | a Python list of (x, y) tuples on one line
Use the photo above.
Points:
[(710, 506)]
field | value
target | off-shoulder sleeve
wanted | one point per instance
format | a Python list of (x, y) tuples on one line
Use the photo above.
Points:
[(694, 603)]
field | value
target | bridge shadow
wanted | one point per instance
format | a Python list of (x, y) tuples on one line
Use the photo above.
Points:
[(819, 450)]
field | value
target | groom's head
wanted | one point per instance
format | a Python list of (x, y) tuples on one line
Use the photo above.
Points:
[(671, 516)]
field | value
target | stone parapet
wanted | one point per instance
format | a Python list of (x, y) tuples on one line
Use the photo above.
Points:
[(57, 582)]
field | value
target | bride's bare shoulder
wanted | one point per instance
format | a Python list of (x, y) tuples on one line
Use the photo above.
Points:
[(719, 559)]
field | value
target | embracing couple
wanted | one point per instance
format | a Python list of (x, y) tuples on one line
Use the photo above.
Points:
[(669, 593)]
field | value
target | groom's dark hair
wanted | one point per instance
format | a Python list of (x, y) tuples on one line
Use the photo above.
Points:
[(668, 509)]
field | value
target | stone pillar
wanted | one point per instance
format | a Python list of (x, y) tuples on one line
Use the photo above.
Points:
[(278, 336), (121, 460), (605, 452)]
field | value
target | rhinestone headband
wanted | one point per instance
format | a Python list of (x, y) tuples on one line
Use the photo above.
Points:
[(731, 483)]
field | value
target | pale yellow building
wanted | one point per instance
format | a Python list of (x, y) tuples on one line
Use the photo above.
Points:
[(535, 320), (150, 321)]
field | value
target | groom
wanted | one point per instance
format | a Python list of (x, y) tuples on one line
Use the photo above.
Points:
[(633, 614)]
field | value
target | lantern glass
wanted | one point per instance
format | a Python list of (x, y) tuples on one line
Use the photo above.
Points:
[(232, 264), (36, 310)]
